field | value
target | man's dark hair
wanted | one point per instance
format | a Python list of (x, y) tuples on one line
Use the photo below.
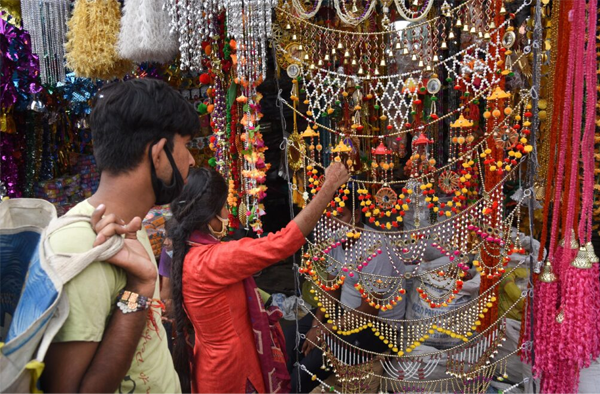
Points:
[(127, 116)]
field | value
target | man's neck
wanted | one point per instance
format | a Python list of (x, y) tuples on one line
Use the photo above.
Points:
[(126, 196)]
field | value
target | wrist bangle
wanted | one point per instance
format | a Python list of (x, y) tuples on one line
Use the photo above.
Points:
[(129, 302)]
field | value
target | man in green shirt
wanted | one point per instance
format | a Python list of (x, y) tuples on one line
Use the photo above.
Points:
[(113, 339)]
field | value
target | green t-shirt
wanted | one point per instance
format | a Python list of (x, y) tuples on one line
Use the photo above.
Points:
[(92, 299)]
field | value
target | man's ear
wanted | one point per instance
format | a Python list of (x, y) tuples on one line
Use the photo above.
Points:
[(157, 150)]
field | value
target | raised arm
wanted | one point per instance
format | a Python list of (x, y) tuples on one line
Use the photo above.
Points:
[(230, 262), (335, 176)]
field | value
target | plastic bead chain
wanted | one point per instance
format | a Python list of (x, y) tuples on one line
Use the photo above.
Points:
[(323, 93), (301, 11), (449, 220), (472, 304), (346, 17), (404, 75), (430, 197), (367, 282), (358, 33), (419, 330), (481, 342), (488, 366), (476, 352), (324, 246), (312, 118), (456, 213), (392, 134), (480, 145), (353, 371), (413, 16), (315, 378)]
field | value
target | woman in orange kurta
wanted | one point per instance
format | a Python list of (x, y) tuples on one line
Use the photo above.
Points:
[(214, 293)]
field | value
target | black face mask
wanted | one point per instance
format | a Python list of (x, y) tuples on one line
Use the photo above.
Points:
[(164, 194)]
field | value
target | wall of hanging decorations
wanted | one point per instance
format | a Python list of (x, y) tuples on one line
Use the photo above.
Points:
[(444, 114), (468, 127)]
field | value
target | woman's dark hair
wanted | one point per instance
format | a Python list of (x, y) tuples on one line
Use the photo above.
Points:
[(129, 115), (202, 199)]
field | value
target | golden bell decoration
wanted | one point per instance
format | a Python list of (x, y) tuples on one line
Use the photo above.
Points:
[(547, 275), (461, 122), (582, 261), (591, 254), (574, 243)]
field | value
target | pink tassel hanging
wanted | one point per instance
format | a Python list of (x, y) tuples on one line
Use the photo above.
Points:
[(545, 311)]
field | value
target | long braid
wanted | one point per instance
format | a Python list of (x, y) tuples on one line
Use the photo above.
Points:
[(201, 200), (181, 352)]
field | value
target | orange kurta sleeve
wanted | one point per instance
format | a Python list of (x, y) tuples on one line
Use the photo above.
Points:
[(226, 263)]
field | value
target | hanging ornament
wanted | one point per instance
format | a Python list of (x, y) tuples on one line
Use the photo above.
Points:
[(91, 50), (145, 35), (46, 22), (194, 23)]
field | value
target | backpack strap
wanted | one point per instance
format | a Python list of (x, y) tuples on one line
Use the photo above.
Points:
[(65, 266)]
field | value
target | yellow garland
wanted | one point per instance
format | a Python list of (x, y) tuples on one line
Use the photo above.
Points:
[(92, 38)]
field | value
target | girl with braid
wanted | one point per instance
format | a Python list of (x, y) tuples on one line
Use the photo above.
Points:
[(238, 348)]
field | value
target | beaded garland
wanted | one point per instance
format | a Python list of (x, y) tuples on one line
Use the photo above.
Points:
[(388, 102)]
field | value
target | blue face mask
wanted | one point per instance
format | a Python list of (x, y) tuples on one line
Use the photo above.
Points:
[(170, 253)]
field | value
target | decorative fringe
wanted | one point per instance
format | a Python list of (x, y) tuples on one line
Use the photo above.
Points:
[(92, 38), (595, 274), (145, 35), (546, 327)]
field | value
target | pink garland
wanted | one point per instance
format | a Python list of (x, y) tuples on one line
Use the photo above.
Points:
[(585, 222), (577, 331), (560, 174), (547, 330), (578, 335)]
